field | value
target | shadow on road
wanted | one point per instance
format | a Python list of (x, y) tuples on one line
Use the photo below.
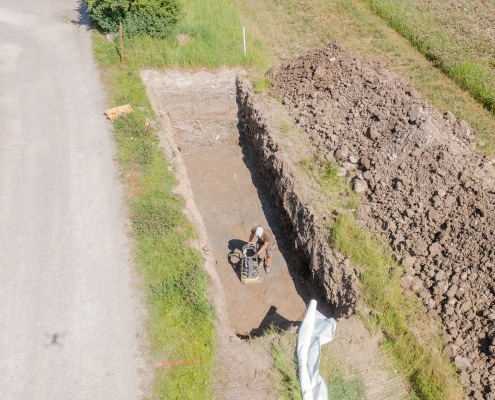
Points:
[(82, 16)]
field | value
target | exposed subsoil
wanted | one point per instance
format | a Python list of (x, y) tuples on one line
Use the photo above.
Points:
[(199, 113), (427, 190), (225, 196)]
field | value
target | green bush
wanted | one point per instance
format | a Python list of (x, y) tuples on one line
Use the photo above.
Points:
[(138, 17)]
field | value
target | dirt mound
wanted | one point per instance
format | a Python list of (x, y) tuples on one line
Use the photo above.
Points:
[(426, 188)]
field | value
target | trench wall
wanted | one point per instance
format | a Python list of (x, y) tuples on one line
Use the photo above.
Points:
[(330, 272)]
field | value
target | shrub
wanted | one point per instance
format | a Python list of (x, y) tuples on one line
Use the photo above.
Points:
[(107, 14), (139, 17)]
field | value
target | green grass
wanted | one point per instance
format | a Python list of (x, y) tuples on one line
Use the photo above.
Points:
[(209, 34), (261, 84), (283, 350), (342, 383), (340, 389), (478, 79), (463, 50)]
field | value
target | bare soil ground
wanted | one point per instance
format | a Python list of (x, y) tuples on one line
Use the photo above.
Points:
[(225, 198)]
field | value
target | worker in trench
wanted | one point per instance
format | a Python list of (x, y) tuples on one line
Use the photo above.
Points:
[(265, 243)]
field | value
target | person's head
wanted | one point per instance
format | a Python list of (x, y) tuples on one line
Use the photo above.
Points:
[(258, 231)]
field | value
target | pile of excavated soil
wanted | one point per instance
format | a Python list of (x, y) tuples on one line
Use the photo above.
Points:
[(426, 190)]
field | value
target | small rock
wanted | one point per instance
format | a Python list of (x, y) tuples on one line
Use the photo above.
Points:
[(448, 116), (465, 306), (360, 186), (342, 153), (353, 159), (362, 211), (433, 215), (406, 282), (477, 395), (341, 172), (416, 152), (464, 377), (349, 166), (454, 332), (434, 249), (452, 291), (462, 129), (365, 162), (462, 363), (414, 113), (449, 201), (373, 133), (449, 351), (408, 262), (440, 275)]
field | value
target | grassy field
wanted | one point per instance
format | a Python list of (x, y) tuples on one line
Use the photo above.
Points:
[(455, 36), (411, 39)]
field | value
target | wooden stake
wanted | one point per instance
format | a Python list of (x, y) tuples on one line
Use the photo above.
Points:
[(121, 43)]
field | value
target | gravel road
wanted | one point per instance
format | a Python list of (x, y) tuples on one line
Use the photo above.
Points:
[(71, 316)]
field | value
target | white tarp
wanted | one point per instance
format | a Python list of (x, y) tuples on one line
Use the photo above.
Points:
[(315, 331)]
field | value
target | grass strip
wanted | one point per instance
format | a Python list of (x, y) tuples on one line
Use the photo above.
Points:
[(413, 342), (181, 320)]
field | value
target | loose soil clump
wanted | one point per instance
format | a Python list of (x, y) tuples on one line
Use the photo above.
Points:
[(426, 190)]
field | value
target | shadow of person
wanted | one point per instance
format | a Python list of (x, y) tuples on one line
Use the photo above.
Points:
[(272, 319), (236, 244), (234, 258)]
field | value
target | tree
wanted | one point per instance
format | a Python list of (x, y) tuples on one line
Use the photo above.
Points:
[(155, 18)]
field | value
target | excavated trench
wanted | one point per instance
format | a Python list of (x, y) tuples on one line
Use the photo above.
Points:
[(235, 172)]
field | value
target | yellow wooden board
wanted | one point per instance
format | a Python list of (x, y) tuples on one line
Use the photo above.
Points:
[(116, 112)]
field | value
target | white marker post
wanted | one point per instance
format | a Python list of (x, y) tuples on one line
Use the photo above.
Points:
[(244, 39)]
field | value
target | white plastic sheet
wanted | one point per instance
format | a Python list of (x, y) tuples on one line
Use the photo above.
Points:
[(315, 331)]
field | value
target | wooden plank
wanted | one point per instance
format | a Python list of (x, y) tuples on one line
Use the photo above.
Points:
[(116, 112)]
